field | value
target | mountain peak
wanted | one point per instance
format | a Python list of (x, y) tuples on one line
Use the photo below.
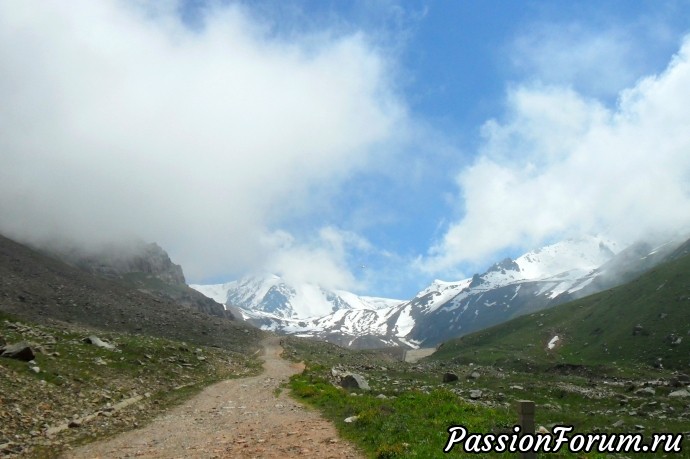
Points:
[(583, 254), (275, 295), (507, 264), (118, 259)]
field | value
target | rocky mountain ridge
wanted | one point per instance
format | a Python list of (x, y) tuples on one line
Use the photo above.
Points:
[(144, 266), (117, 259), (643, 323), (308, 310), (46, 290), (276, 297), (541, 278)]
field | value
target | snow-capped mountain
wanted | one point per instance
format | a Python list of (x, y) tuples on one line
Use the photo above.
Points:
[(273, 295), (536, 280), (507, 289), (560, 267), (356, 328), (627, 265), (272, 303)]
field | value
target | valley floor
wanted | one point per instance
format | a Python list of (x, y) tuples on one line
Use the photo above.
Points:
[(233, 419)]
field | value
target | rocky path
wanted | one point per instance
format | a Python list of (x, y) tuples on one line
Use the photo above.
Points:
[(239, 418)]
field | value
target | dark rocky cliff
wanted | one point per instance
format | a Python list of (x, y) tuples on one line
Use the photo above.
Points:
[(44, 289), (145, 266)]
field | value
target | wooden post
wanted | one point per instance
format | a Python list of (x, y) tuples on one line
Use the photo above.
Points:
[(525, 409)]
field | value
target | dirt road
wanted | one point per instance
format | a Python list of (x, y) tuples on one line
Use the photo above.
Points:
[(239, 418)]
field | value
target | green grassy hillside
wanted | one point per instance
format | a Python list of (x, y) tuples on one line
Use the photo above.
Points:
[(635, 326)]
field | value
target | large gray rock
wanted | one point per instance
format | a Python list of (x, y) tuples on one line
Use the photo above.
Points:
[(683, 378), (449, 377), (354, 381), (645, 391), (336, 373), (19, 351), (683, 393), (96, 341)]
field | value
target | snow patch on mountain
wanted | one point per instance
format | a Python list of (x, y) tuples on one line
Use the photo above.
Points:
[(365, 302)]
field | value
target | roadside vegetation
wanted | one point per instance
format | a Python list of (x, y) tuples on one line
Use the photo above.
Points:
[(408, 408), (614, 362)]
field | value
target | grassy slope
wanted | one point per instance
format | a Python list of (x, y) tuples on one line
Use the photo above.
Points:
[(596, 330), (412, 421)]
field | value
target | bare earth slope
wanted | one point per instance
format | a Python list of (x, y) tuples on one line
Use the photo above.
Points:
[(239, 418)]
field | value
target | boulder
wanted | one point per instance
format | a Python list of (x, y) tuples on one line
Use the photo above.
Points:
[(673, 339), (645, 391), (449, 377), (336, 373), (354, 381), (474, 375), (96, 341), (475, 394), (19, 351), (675, 382), (683, 393)]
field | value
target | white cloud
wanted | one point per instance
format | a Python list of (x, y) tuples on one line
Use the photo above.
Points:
[(560, 164), (598, 61), (324, 260), (118, 121)]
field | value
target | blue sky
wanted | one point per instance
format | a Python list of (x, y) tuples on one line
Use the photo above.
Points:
[(370, 146)]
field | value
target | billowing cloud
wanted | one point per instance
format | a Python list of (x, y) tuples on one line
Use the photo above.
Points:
[(560, 164), (119, 121), (598, 57), (595, 61), (325, 259)]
